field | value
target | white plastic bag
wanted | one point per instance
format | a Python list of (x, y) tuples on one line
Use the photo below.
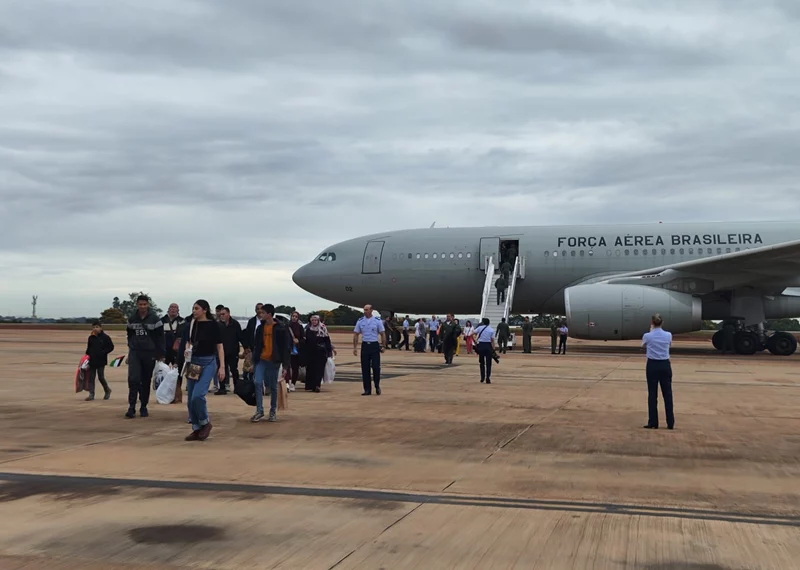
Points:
[(330, 371), (165, 393), (158, 374)]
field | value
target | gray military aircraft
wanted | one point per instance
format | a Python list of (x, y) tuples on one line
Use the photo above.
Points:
[(607, 280)]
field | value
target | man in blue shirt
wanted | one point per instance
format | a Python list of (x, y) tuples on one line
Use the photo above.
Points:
[(372, 340), (659, 372), (406, 325)]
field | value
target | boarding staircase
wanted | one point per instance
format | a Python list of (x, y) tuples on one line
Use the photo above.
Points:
[(489, 307)]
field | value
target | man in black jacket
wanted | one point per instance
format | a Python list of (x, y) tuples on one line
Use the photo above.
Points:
[(145, 346), (172, 330), (268, 359), (98, 347), (231, 338)]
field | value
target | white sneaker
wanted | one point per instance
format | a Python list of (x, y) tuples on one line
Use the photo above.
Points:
[(289, 387)]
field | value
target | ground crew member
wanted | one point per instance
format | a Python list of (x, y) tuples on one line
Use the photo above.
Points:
[(659, 372), (406, 325), (527, 332), (503, 333), (145, 346), (501, 285), (373, 337), (728, 334), (563, 331), (553, 337)]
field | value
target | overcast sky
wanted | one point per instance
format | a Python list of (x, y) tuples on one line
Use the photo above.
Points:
[(207, 149)]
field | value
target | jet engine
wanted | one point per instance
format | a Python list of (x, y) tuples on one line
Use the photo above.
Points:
[(622, 312)]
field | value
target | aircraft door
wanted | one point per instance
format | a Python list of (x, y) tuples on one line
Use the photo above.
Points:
[(490, 247), (372, 257)]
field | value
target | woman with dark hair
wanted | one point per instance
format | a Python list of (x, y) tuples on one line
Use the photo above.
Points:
[(203, 347), (298, 340), (468, 331), (659, 372), (318, 349)]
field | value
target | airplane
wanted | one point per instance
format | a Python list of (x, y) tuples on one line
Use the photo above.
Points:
[(607, 279)]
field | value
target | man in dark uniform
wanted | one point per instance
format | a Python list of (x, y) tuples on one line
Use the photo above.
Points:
[(503, 334), (553, 337), (505, 269), (527, 332), (501, 285), (172, 325), (728, 334), (512, 255), (448, 333), (231, 339)]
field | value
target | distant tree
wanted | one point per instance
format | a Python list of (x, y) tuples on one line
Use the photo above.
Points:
[(784, 325), (346, 316), (115, 304), (113, 316), (286, 309), (128, 306), (709, 326)]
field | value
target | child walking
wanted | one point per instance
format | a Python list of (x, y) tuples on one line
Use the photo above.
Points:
[(98, 347)]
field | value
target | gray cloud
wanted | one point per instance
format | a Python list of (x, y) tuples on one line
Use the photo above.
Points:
[(253, 134)]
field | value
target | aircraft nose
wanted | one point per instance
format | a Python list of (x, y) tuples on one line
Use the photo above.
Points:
[(302, 277)]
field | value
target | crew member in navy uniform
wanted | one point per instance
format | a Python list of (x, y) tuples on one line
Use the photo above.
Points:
[(659, 372), (372, 340)]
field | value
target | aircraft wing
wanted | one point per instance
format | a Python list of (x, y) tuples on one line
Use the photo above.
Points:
[(772, 268)]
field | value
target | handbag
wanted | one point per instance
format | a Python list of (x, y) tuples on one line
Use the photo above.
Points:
[(190, 371)]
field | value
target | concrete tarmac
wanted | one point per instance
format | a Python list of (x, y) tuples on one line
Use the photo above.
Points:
[(547, 467)]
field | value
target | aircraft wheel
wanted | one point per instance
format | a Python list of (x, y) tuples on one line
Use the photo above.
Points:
[(782, 344), (746, 342), (716, 340)]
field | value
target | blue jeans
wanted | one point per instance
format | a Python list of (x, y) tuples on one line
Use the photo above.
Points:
[(266, 372), (197, 389)]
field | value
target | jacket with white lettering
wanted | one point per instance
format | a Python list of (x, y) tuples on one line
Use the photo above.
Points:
[(146, 334)]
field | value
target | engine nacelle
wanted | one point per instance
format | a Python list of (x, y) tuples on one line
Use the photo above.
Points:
[(622, 312)]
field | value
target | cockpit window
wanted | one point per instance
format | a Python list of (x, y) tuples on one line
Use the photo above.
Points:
[(331, 257), (327, 257)]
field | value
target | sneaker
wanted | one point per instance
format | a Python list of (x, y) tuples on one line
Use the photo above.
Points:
[(144, 413), (108, 395), (272, 417), (290, 387), (257, 417), (131, 413)]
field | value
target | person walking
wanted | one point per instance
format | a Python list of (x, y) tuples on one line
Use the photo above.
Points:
[(459, 332), (501, 285), (563, 331), (406, 326), (469, 330), (318, 348), (145, 346), (656, 344), (553, 337), (449, 334), (484, 336), (231, 340), (503, 334), (372, 334), (527, 333), (98, 347), (272, 348), (203, 350), (298, 356)]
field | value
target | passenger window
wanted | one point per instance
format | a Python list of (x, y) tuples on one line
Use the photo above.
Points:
[(555, 254), (452, 255), (419, 256), (644, 252), (573, 253), (727, 250), (426, 256), (738, 249), (409, 256), (672, 251), (469, 255), (627, 252), (663, 252), (460, 255), (547, 253), (719, 250), (443, 256), (591, 252), (691, 252), (582, 252), (682, 251), (434, 256), (635, 252), (564, 253)]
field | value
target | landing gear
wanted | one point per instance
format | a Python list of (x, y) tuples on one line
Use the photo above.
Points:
[(747, 342), (717, 340), (782, 344)]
